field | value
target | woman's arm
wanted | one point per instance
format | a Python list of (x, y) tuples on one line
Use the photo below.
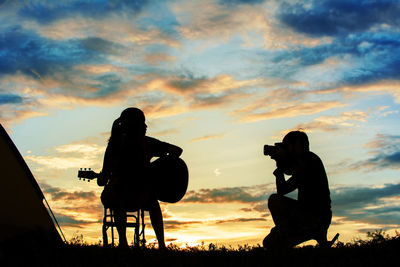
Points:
[(106, 170), (159, 148)]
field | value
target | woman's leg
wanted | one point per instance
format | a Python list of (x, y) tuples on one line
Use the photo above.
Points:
[(120, 221), (111, 197), (157, 222)]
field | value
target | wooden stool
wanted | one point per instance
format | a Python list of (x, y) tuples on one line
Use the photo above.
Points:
[(137, 222)]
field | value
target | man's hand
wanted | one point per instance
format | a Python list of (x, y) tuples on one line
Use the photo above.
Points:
[(280, 181), (279, 174), (174, 151), (279, 154)]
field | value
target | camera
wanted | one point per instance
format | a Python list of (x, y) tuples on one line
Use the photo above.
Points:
[(272, 150)]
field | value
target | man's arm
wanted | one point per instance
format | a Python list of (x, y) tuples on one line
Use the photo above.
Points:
[(282, 186), (174, 150)]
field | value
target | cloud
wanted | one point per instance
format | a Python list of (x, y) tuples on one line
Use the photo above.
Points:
[(363, 38), (173, 94), (383, 141), (58, 194), (188, 84), (126, 27), (163, 108), (253, 194), (207, 137), (295, 101), (385, 151), (48, 71), (224, 20), (159, 95), (38, 57), (335, 122), (167, 132), (219, 19), (72, 221), (41, 96), (241, 2), (371, 205), (254, 197), (100, 68), (294, 110), (241, 220), (74, 208), (209, 101), (77, 70), (179, 224), (381, 87), (382, 160), (100, 62), (15, 108), (10, 99), (100, 45), (46, 13), (291, 101), (374, 205), (157, 58), (61, 162), (214, 21), (332, 17), (182, 224), (72, 57), (74, 155), (363, 58)]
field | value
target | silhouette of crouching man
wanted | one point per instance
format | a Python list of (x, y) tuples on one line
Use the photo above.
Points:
[(309, 216)]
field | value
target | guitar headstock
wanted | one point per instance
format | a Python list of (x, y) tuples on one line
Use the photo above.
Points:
[(88, 174)]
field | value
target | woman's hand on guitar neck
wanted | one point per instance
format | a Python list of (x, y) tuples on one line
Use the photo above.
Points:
[(102, 179)]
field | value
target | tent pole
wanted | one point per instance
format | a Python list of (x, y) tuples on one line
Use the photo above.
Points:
[(55, 219)]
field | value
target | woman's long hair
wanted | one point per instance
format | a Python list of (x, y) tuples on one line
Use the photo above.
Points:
[(128, 117)]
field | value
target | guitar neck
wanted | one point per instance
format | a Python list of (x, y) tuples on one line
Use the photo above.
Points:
[(87, 174)]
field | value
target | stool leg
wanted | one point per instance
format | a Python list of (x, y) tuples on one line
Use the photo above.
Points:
[(105, 238), (143, 239), (112, 226), (104, 229), (137, 225)]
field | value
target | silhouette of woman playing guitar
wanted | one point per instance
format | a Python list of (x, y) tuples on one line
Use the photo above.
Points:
[(126, 172)]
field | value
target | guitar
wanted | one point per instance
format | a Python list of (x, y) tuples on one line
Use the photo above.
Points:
[(169, 176), (88, 174)]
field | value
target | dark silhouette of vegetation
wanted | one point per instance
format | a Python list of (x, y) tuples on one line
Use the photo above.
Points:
[(379, 249)]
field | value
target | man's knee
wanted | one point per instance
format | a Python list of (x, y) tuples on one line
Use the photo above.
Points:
[(270, 240), (274, 239), (267, 243)]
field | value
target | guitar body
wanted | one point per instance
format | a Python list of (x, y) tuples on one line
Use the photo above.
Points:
[(171, 178)]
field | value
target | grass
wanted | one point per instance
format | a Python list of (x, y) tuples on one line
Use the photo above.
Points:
[(378, 250)]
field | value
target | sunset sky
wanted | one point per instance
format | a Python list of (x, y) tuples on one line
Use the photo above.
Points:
[(219, 79)]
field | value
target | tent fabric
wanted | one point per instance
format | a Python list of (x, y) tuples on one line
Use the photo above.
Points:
[(22, 212)]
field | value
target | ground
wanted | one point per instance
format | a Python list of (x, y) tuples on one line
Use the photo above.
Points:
[(379, 251)]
